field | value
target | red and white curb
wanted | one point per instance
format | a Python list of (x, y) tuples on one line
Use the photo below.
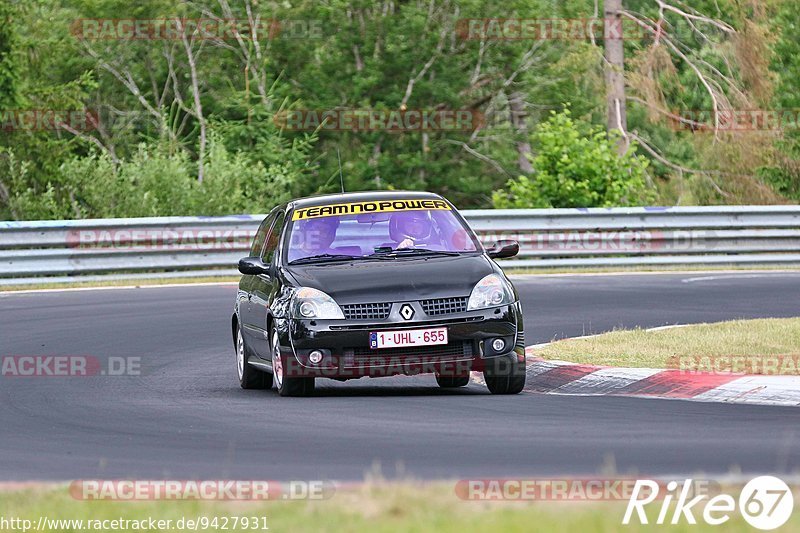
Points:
[(561, 377)]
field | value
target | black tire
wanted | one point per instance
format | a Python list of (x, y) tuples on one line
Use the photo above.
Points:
[(287, 386), (249, 377), (452, 382), (505, 376)]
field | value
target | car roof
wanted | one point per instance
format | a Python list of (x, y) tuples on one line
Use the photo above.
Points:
[(364, 196)]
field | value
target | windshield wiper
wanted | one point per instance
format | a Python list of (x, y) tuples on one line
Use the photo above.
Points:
[(410, 252), (393, 254), (323, 258)]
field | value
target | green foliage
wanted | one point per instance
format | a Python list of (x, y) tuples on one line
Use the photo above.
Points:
[(9, 70), (783, 174), (145, 159), (154, 181), (577, 166)]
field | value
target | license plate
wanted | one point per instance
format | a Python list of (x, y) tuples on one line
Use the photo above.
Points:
[(407, 338)]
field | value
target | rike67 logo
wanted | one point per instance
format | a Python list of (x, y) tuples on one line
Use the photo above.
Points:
[(765, 503)]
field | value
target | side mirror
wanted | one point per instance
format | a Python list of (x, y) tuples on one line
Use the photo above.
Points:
[(503, 249), (254, 266)]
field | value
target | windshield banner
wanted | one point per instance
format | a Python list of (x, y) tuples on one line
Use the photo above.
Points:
[(368, 207)]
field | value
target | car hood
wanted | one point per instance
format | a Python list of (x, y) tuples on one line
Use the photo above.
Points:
[(394, 280)]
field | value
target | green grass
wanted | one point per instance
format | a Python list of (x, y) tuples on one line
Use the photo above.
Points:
[(654, 349), (381, 508)]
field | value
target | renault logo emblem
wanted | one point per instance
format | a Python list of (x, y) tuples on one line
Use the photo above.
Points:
[(407, 312)]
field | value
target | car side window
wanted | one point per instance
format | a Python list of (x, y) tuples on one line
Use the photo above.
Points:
[(273, 238), (261, 235)]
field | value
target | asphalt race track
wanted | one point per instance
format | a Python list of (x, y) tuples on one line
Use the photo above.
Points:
[(185, 417)]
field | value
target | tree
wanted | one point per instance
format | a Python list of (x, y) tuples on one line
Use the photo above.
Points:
[(614, 70), (8, 79), (577, 165)]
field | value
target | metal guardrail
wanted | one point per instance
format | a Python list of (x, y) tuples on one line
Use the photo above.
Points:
[(36, 251)]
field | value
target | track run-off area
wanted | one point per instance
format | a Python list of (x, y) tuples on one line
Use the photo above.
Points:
[(183, 415)]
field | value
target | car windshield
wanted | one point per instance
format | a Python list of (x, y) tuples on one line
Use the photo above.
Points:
[(395, 233)]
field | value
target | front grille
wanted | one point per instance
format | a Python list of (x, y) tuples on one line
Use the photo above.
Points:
[(379, 311), (408, 325), (445, 306), (422, 354)]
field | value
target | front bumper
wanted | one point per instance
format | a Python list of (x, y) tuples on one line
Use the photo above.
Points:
[(345, 345)]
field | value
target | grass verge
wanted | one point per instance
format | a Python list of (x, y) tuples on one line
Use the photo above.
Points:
[(655, 349), (120, 283), (396, 507)]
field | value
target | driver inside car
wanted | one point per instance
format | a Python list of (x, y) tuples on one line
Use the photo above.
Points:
[(411, 229), (316, 236)]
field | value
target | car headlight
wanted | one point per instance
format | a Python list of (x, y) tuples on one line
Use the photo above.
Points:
[(310, 303), (491, 291)]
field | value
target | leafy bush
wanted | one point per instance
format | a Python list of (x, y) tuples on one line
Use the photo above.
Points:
[(155, 181), (577, 165)]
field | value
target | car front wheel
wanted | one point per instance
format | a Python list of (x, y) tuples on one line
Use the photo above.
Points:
[(287, 386), (505, 376)]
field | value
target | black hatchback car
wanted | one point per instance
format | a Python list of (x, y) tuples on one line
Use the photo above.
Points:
[(375, 284)]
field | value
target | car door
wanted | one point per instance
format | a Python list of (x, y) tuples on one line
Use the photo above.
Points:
[(246, 285), (264, 289)]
